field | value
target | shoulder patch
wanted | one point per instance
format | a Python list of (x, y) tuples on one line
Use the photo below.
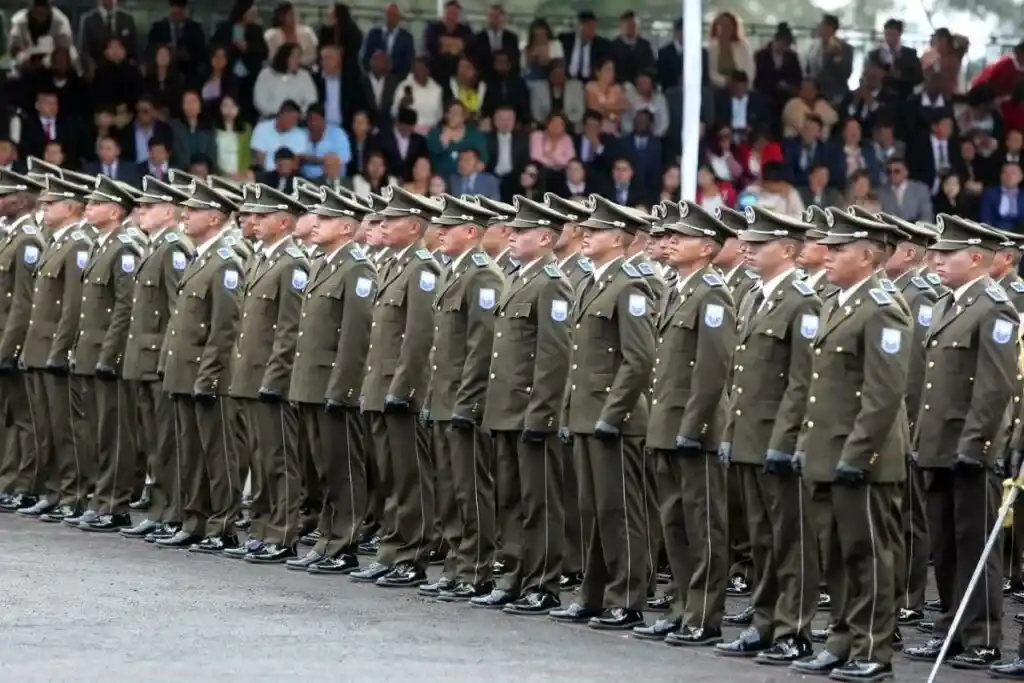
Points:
[(1017, 286), (295, 252), (78, 235), (751, 275), (645, 269), (172, 237), (888, 285), (29, 229), (713, 280), (480, 259), (996, 293), (630, 270), (230, 241), (424, 255), (802, 287), (881, 298), (357, 253), (920, 282), (585, 265), (799, 273), (933, 279), (125, 239), (553, 271), (224, 253)]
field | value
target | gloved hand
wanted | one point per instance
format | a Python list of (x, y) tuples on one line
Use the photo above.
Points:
[(688, 447), (204, 398), (725, 453), (797, 462), (8, 366), (160, 374), (270, 396), (105, 372), (532, 436), (332, 407), (777, 462), (22, 366), (393, 404), (61, 368), (425, 418), (461, 423), (1016, 458), (849, 475), (605, 432), (564, 435), (965, 463)]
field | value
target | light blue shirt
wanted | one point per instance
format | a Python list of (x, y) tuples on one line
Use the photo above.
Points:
[(332, 100), (266, 138), (334, 141)]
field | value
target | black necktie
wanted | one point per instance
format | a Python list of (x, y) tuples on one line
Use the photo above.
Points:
[(757, 301)]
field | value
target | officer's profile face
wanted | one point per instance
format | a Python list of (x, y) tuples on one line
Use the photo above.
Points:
[(457, 239), (732, 253), (495, 239), (848, 264), (326, 231), (304, 227), (247, 222), (398, 232), (812, 256), (656, 248), (270, 226), (370, 231), (956, 268), (567, 235), (100, 213), (600, 243), (200, 221), (684, 251), (528, 245), (56, 214), (768, 258), (1002, 263)]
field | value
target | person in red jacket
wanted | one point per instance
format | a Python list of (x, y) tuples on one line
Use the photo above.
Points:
[(1004, 74)]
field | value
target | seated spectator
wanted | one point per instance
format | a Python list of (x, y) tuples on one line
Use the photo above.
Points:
[(952, 198), (419, 183), (908, 199), (161, 79), (643, 150), (594, 147), (136, 136), (775, 192), (360, 142), (817, 191), (35, 31), (115, 81), (61, 79), (375, 176), (728, 50), (340, 30), (626, 190), (467, 88), (742, 109), (981, 113), (505, 88), (809, 149), (902, 65), (1003, 207), (857, 155), (284, 80), (437, 186), (830, 61), (576, 183), (921, 108), (279, 132), (393, 39), (377, 89), (632, 52), (217, 79), (158, 159), (334, 174), (47, 123), (111, 165), (54, 154), (978, 170), (605, 96), (645, 96), (932, 154), (284, 171), (447, 41), (539, 50), (526, 183), (233, 137), (552, 148), (884, 142), (871, 102), (714, 193), (808, 102), (778, 69), (193, 133), (671, 185), (201, 166), (242, 33), (720, 155), (495, 37), (557, 94), (324, 140), (423, 95), (753, 156), (453, 135), (339, 102), (401, 144), (470, 177), (507, 148), (185, 34), (858, 190), (9, 156), (285, 30), (102, 23)]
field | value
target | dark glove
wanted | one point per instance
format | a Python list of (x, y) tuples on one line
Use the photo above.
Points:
[(270, 396), (204, 398), (393, 404), (797, 463), (532, 436), (61, 368), (605, 432), (564, 435), (160, 375), (725, 453), (7, 366), (688, 447), (332, 407), (425, 418), (1016, 458), (849, 475), (964, 463), (22, 366), (105, 372), (461, 423), (777, 462)]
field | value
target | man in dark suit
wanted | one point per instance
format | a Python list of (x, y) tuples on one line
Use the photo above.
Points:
[(47, 124), (396, 42), (378, 86), (632, 53), (99, 25), (739, 107), (136, 136), (584, 50), (807, 150), (505, 88), (778, 72), (903, 65), (447, 41), (921, 108), (670, 60), (643, 150), (401, 144), (494, 39), (934, 154), (185, 37), (593, 147), (625, 189), (158, 161), (1003, 207), (286, 170), (110, 164), (507, 149)]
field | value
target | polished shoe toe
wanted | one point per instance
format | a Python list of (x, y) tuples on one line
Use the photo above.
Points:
[(738, 587), (142, 529), (929, 652), (976, 658), (272, 553), (432, 590), (312, 538), (824, 602), (784, 652), (496, 599), (214, 545), (403, 575), (617, 619), (1013, 671), (180, 540), (305, 562), (465, 592), (747, 644), (343, 564), (909, 617), (370, 575), (694, 636), (862, 672), (533, 604), (570, 581), (574, 613), (744, 618), (658, 630), (819, 665), (107, 524)]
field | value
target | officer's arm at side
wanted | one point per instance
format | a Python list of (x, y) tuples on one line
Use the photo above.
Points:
[(71, 302), (414, 357), (116, 337), (354, 342), (175, 262), (636, 344), (291, 284), (551, 363), (995, 381), (21, 305), (483, 291), (225, 306), (801, 360), (716, 342)]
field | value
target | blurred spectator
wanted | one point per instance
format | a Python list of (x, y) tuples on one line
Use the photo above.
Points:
[(185, 37), (576, 182), (466, 87), (201, 166), (505, 88), (110, 163), (279, 132), (526, 184), (402, 146), (507, 149), (885, 144), (243, 34), (934, 154), (670, 60), (284, 171), (903, 66), (557, 94), (760, 151), (284, 80), (778, 69), (626, 190), (193, 134), (1003, 207), (395, 40), (217, 79), (807, 101), (858, 190), (47, 124), (552, 148), (908, 199), (35, 31), (631, 52), (740, 108), (324, 140), (116, 81), (375, 176), (334, 174), (721, 158), (775, 193), (923, 106), (60, 78), (437, 186), (9, 156), (829, 61), (422, 94), (606, 97), (594, 146), (714, 193), (233, 136), (469, 178), (817, 191), (285, 30), (378, 88), (871, 100), (158, 159), (447, 41), (338, 102), (945, 59), (340, 29), (161, 79), (583, 49), (99, 25), (978, 170), (540, 50), (728, 50), (359, 142), (53, 154), (981, 113), (450, 137), (952, 198), (494, 39), (808, 150), (644, 96), (1011, 152), (1006, 74), (671, 182), (856, 154), (643, 149), (135, 138), (419, 178)]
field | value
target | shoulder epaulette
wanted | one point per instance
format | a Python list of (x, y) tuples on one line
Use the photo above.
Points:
[(997, 294), (881, 297), (920, 282), (29, 229), (424, 255), (751, 275), (713, 280), (585, 265), (79, 235), (295, 252), (887, 284), (357, 253), (171, 237), (126, 239), (480, 259), (630, 270), (225, 253), (230, 241), (553, 271), (802, 287), (933, 279), (799, 273), (1017, 286), (645, 269)]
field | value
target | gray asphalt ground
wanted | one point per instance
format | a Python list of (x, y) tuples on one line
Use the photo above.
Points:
[(93, 608)]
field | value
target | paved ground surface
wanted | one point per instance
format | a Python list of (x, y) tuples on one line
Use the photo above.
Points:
[(89, 608)]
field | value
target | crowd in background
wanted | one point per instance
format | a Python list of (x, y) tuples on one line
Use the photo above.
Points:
[(483, 110)]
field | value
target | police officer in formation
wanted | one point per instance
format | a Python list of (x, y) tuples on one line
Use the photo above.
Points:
[(567, 395)]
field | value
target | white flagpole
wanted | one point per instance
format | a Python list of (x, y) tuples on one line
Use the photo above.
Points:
[(691, 92)]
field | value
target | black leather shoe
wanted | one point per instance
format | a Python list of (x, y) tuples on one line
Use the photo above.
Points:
[(819, 665), (862, 672), (242, 524), (574, 613), (496, 599), (55, 515), (570, 581), (34, 511), (929, 652), (824, 602), (87, 517), (748, 644), (926, 627), (240, 551), (465, 591), (660, 603), (499, 568), (214, 545), (1018, 618), (370, 575), (432, 590), (435, 557), (534, 603), (932, 605), (166, 531), (692, 636), (897, 640), (144, 499), (18, 501), (976, 658), (343, 564), (744, 618), (656, 631), (107, 524), (784, 652), (1012, 584), (312, 538), (1013, 671), (404, 575), (1018, 597), (821, 635), (305, 562), (271, 553), (370, 545), (617, 619), (180, 540), (142, 529), (738, 587), (664, 575), (909, 617)]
